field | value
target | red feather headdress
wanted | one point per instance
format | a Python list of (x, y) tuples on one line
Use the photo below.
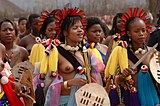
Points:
[(135, 12), (69, 12), (44, 15)]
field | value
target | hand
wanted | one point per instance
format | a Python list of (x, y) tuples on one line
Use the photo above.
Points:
[(77, 82), (121, 77), (17, 88), (126, 72)]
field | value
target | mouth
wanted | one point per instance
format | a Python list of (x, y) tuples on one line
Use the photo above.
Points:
[(80, 35)]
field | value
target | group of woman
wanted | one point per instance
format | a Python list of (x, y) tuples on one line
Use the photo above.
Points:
[(59, 57)]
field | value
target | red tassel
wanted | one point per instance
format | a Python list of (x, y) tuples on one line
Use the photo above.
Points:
[(11, 96)]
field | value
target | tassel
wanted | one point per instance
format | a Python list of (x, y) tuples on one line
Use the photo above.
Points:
[(113, 94), (37, 53), (95, 51), (53, 60), (114, 99), (134, 100), (125, 96), (49, 60), (147, 92)]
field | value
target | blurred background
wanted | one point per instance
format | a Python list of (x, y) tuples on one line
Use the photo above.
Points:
[(103, 8)]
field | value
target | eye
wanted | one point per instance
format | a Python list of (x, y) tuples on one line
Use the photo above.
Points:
[(74, 27), (143, 30), (136, 31)]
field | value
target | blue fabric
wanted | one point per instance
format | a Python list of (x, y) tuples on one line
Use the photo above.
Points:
[(72, 99), (103, 55), (146, 90), (63, 100), (4, 101), (51, 96)]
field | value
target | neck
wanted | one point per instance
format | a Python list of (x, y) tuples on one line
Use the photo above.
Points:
[(8, 45), (136, 46), (72, 44), (34, 34)]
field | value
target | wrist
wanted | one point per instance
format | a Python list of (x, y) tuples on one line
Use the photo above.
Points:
[(66, 85), (120, 78)]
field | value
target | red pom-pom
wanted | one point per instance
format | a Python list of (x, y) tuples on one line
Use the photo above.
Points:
[(133, 89)]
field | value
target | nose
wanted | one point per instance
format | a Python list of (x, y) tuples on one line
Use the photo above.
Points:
[(141, 33), (80, 29), (8, 30), (53, 34), (98, 33)]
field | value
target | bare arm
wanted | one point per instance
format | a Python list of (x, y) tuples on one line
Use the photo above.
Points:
[(2, 54)]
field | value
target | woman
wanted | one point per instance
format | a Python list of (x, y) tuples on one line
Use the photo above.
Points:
[(70, 59), (93, 33), (14, 53), (116, 27), (140, 83), (46, 27)]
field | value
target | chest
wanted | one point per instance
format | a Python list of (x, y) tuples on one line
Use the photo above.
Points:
[(65, 66)]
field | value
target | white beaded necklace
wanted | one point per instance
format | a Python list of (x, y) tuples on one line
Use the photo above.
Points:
[(70, 48), (140, 50)]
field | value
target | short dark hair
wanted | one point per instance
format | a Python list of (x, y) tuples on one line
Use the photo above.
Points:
[(67, 23), (21, 18), (92, 21), (31, 17), (13, 24)]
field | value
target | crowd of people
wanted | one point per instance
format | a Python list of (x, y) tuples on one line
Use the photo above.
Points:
[(68, 50)]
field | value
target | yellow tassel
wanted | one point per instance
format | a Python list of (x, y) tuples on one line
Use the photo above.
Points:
[(112, 63), (118, 58), (37, 53), (44, 64), (53, 59), (96, 52), (49, 62)]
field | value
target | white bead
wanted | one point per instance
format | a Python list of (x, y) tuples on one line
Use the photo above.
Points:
[(137, 52), (143, 51), (4, 80)]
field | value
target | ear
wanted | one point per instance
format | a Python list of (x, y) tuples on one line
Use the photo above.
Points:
[(128, 33), (65, 33)]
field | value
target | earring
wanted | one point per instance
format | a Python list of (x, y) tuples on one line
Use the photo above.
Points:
[(130, 43)]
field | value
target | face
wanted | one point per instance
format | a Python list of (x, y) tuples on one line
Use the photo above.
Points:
[(137, 31), (119, 22), (75, 33), (94, 33), (7, 32), (50, 30), (34, 25), (22, 26)]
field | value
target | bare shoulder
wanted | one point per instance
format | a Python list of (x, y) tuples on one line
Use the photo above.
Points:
[(22, 49), (2, 51), (24, 53), (2, 47), (24, 40)]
